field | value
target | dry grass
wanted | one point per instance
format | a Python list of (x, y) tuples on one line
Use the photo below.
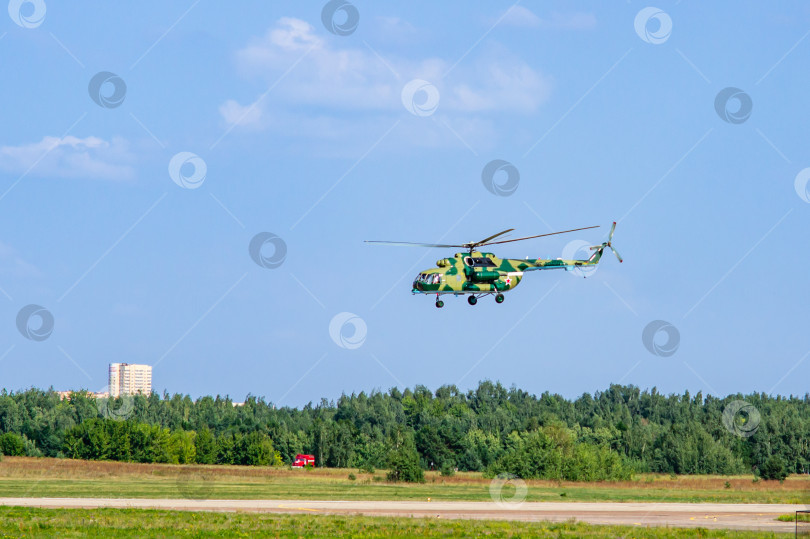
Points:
[(64, 477), (30, 467)]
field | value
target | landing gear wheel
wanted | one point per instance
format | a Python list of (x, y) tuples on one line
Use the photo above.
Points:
[(472, 300), (439, 304), (499, 298)]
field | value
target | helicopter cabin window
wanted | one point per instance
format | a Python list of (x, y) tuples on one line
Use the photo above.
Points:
[(479, 262)]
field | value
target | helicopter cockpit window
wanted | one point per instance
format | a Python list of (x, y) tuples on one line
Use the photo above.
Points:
[(480, 262)]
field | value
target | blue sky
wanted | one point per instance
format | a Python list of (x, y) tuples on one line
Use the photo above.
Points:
[(306, 134)]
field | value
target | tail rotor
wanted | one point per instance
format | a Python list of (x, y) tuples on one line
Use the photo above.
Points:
[(609, 243)]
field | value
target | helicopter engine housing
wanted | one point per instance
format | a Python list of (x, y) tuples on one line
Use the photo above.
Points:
[(485, 276)]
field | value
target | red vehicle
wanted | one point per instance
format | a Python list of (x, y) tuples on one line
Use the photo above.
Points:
[(304, 460)]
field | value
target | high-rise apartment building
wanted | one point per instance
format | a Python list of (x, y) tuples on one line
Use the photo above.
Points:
[(130, 379)]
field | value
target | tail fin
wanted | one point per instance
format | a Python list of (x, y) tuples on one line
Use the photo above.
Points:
[(594, 259)]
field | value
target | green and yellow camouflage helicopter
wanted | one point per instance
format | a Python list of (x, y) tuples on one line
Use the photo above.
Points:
[(480, 274)]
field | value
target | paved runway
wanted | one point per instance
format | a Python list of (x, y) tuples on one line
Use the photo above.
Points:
[(684, 515)]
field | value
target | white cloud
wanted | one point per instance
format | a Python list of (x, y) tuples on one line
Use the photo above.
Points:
[(505, 84), (293, 34), (322, 75), (11, 263), (571, 21), (70, 157), (394, 30), (245, 116), (302, 68), (521, 17), (128, 309)]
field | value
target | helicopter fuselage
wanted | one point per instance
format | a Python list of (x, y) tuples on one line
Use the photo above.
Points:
[(482, 273)]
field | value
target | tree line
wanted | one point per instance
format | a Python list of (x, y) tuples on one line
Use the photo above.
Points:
[(607, 435)]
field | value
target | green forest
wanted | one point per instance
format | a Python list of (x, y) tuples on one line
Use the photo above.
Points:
[(609, 435)]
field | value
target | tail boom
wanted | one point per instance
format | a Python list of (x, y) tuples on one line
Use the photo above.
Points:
[(593, 260)]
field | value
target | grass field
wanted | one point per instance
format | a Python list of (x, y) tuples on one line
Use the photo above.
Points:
[(792, 517), (30, 477), (131, 523)]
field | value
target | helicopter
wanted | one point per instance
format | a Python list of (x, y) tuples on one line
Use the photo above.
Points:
[(476, 273)]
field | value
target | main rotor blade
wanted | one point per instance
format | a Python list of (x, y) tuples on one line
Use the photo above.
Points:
[(493, 237), (541, 235), (615, 252), (412, 244), (612, 230)]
